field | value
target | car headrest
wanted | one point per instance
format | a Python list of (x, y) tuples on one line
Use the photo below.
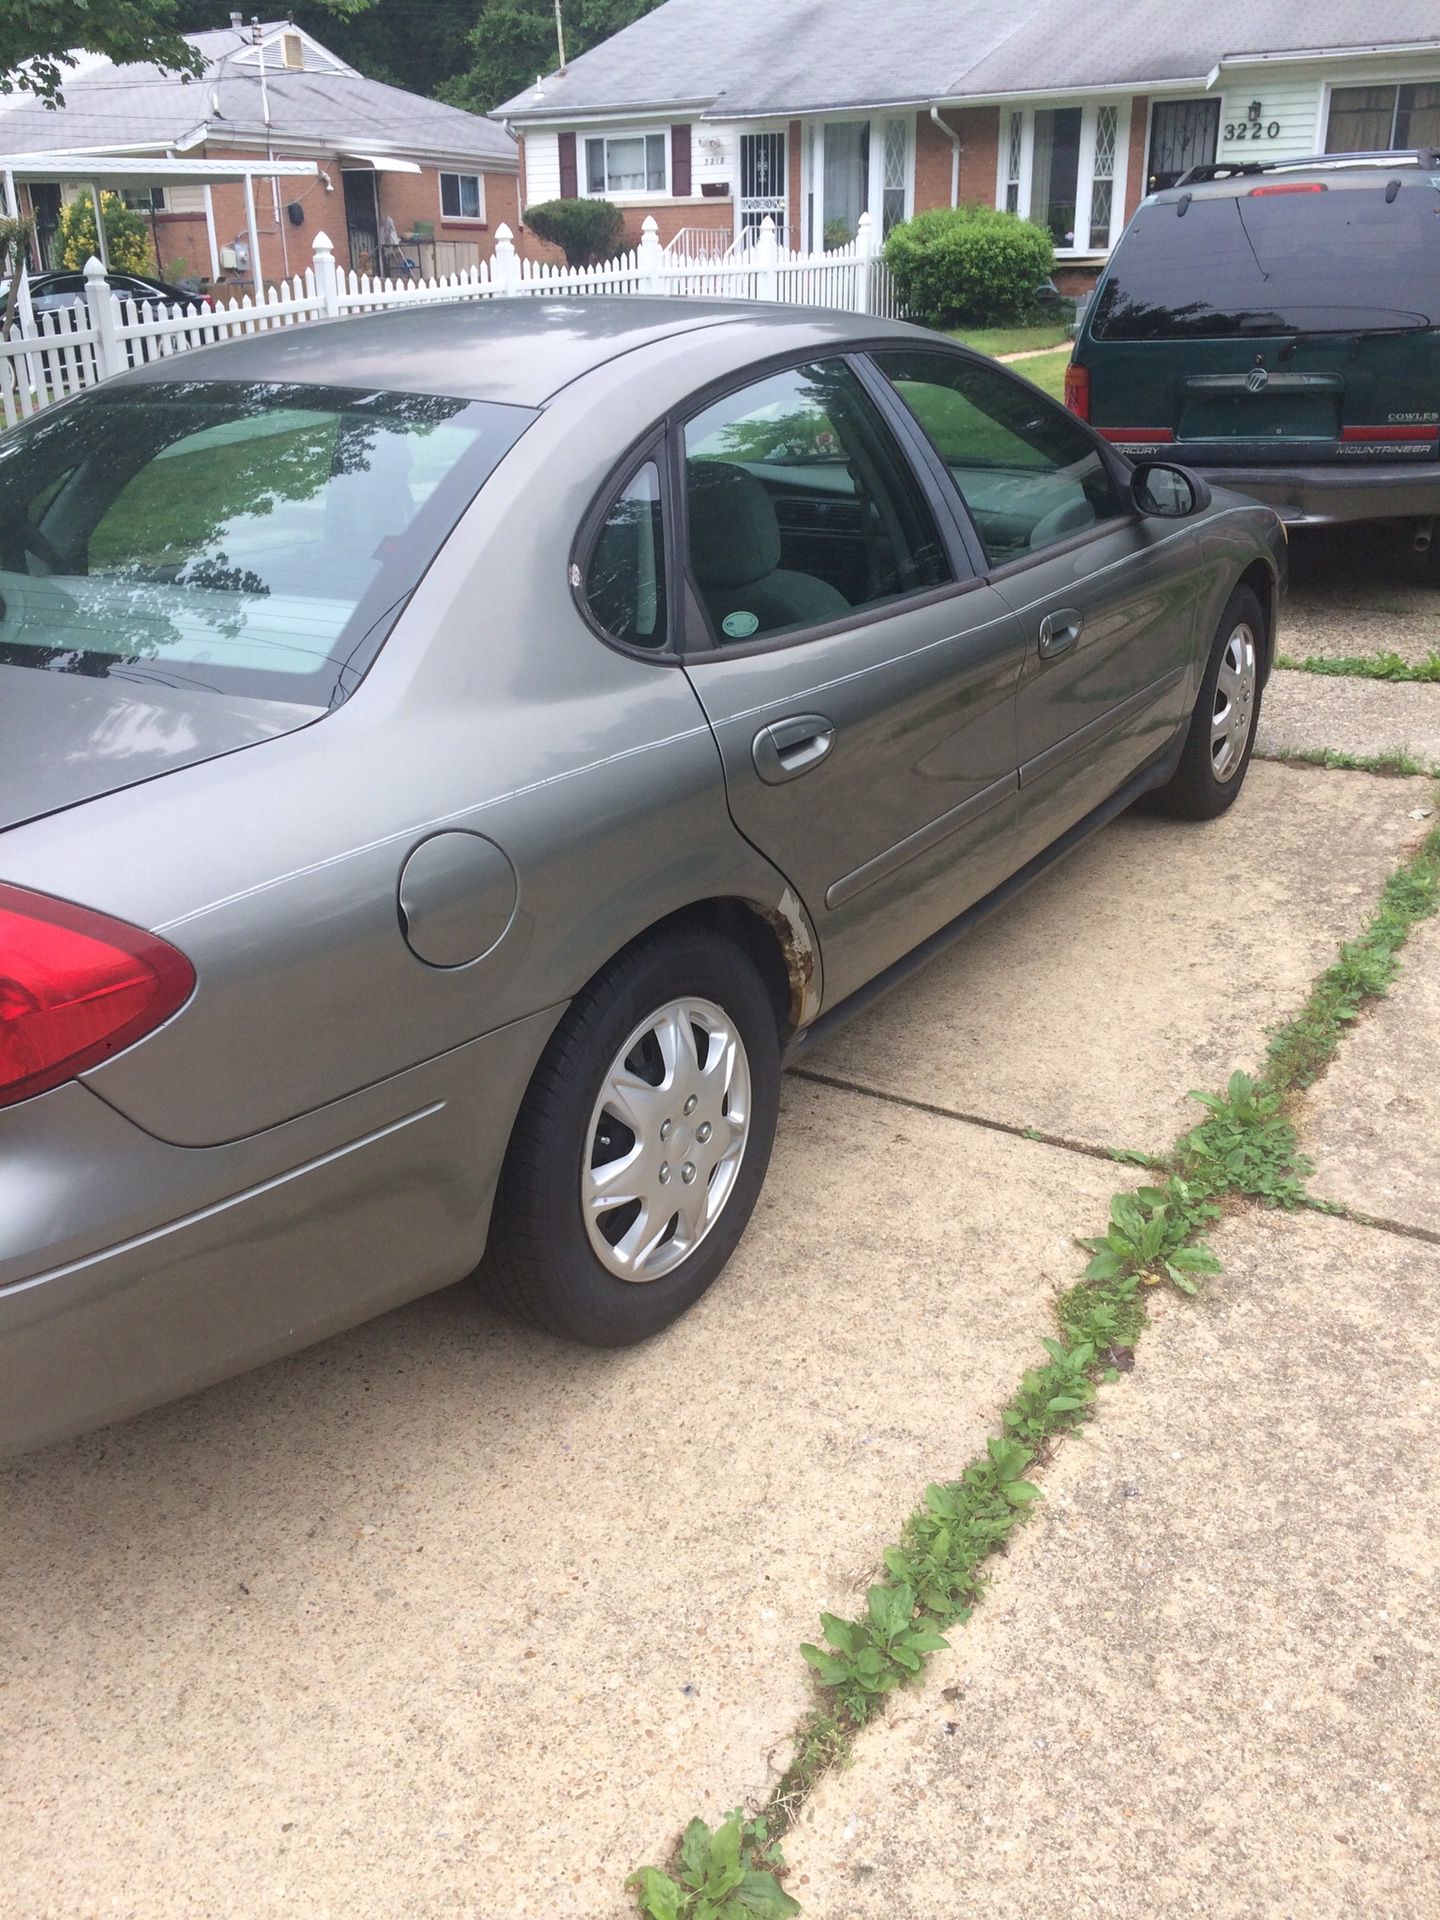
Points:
[(734, 535)]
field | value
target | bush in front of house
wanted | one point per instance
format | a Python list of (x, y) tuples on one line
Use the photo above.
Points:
[(584, 230), (127, 235), (968, 266)]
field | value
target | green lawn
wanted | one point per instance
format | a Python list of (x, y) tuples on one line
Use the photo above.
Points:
[(1048, 372), (998, 340)]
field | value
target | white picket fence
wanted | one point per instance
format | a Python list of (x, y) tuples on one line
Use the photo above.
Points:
[(73, 347)]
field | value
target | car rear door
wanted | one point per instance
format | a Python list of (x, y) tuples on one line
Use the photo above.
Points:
[(859, 677), (1104, 598)]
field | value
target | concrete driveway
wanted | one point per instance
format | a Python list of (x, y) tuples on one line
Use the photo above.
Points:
[(443, 1618)]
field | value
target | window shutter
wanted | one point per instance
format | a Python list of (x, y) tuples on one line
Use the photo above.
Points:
[(680, 159), (569, 177)]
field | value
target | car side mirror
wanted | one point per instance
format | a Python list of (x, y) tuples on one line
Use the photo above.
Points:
[(1170, 493)]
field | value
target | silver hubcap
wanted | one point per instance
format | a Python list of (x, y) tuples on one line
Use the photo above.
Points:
[(666, 1140), (1234, 713)]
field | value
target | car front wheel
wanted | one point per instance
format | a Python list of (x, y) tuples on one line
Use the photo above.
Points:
[(642, 1144), (1222, 728)]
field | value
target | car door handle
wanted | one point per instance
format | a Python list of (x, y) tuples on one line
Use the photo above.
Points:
[(1059, 631), (791, 747)]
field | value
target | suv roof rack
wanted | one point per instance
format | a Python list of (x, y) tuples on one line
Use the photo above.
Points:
[(1236, 169)]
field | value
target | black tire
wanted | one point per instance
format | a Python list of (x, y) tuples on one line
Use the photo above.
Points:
[(1196, 791), (540, 1265)]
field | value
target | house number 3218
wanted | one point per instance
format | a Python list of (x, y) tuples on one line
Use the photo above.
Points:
[(1254, 126)]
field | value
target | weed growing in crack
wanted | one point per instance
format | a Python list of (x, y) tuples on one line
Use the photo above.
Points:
[(1246, 1146), (1366, 666), (1394, 763), (717, 1875)]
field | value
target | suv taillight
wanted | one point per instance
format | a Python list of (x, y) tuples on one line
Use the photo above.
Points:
[(76, 987), (1077, 390)]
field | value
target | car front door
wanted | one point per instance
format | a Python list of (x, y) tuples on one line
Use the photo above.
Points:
[(859, 678), (1105, 598)]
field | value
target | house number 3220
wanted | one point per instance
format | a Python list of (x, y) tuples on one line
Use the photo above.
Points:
[(1254, 126)]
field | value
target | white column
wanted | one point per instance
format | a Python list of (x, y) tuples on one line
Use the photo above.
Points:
[(99, 225), (210, 234), (864, 254), (254, 237)]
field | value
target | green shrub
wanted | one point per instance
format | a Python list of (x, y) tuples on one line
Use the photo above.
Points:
[(968, 266), (127, 235), (584, 230)]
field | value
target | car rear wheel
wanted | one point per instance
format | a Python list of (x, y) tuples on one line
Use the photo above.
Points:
[(641, 1146), (1222, 728)]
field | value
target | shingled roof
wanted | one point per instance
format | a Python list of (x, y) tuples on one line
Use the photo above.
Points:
[(325, 103), (731, 59)]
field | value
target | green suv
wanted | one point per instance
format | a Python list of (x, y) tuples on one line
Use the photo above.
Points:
[(1278, 325)]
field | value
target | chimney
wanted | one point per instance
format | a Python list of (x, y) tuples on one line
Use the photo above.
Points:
[(237, 21)]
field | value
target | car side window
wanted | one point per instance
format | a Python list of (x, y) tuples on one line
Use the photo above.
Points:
[(625, 576), (1029, 474), (801, 506)]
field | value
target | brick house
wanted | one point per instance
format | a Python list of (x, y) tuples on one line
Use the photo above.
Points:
[(443, 178), (709, 114)]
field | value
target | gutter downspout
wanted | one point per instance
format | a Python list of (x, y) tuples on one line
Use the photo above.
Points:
[(955, 150)]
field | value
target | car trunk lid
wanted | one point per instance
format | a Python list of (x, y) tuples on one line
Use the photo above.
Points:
[(68, 737)]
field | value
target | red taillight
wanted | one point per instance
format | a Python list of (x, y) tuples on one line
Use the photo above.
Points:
[(207, 303), (1077, 390), (1137, 436), (76, 987), (1390, 433), (1289, 186)]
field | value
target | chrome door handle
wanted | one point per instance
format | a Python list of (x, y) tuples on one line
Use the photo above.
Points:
[(791, 747), (1059, 631)]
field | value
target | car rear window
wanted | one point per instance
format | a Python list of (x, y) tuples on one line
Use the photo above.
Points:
[(248, 539), (1280, 257)]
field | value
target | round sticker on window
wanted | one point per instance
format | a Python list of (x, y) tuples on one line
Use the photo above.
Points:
[(740, 626)]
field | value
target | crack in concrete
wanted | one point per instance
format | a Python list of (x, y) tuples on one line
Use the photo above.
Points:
[(1035, 1134)]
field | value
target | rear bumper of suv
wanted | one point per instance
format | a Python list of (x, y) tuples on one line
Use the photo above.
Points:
[(1332, 495)]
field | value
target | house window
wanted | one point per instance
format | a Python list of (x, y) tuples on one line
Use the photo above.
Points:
[(144, 199), (1064, 168), (1102, 178), (1373, 119), (897, 174), (462, 196), (626, 163), (1014, 156)]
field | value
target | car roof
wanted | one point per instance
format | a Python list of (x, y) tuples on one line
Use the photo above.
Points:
[(518, 351)]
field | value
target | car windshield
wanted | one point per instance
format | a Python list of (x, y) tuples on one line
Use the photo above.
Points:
[(247, 539), (1280, 257)]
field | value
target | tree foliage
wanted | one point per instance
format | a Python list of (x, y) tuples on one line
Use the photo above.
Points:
[(514, 40), (39, 40)]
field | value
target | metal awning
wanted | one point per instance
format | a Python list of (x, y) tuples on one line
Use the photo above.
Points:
[(381, 162), (147, 169)]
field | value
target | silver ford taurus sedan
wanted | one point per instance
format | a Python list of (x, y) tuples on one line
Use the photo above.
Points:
[(450, 760)]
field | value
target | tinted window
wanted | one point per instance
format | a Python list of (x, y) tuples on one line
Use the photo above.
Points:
[(1264, 262), (237, 538), (801, 506), (1029, 475), (625, 580)]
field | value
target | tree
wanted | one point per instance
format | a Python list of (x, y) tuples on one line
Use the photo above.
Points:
[(127, 236), (39, 40), (514, 40)]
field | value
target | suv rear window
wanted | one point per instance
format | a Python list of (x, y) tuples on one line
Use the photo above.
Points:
[(236, 538), (1311, 258)]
